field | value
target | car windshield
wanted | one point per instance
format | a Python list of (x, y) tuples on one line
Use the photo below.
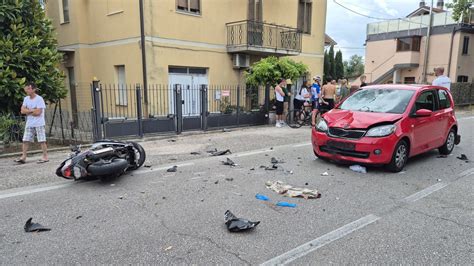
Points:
[(378, 101)]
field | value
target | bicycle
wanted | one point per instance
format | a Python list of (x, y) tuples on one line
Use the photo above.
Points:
[(299, 117)]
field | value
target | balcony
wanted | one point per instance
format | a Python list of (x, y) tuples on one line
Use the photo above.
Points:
[(252, 37)]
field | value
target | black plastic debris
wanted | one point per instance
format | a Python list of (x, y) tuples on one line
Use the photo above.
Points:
[(172, 169), (79, 217), (220, 153), (212, 151), (195, 153), (273, 167), (34, 227), (463, 157), (171, 140), (442, 156), (229, 162), (147, 165), (274, 160), (235, 224), (229, 179)]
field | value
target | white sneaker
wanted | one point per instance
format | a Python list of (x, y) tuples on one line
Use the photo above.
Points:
[(278, 124)]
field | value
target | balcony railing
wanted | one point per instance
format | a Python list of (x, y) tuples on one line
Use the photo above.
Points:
[(262, 38)]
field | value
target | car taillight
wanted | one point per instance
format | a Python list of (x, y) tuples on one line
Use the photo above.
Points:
[(67, 172)]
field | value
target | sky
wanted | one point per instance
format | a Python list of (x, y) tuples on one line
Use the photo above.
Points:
[(349, 29)]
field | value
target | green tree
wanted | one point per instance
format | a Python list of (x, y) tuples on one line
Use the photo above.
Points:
[(269, 70), (332, 63), (354, 67), (339, 65), (327, 65), (28, 53), (460, 9)]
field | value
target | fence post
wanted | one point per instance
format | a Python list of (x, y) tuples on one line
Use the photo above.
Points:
[(96, 107), (267, 103), (179, 108), (61, 121), (238, 104), (139, 110), (204, 107)]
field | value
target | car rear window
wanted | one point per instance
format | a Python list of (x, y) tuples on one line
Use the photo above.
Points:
[(393, 101)]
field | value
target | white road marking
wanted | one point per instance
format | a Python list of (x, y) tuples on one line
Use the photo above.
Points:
[(302, 144), (468, 172), (321, 241), (33, 189), (425, 192), (250, 153)]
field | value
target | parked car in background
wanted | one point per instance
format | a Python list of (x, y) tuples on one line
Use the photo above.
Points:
[(387, 124)]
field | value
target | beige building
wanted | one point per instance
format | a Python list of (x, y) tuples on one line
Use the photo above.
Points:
[(186, 41), (395, 49)]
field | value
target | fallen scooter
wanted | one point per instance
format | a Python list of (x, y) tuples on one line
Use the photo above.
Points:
[(106, 158)]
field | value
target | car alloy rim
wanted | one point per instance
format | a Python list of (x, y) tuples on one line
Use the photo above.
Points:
[(401, 155), (450, 142)]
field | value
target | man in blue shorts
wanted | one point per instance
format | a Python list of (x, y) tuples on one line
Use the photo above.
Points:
[(315, 92)]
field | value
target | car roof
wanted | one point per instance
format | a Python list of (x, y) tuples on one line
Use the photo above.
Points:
[(415, 87)]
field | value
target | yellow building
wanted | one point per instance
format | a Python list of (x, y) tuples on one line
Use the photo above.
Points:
[(398, 51), (191, 42)]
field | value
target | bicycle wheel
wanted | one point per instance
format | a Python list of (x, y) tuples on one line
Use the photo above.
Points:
[(295, 118)]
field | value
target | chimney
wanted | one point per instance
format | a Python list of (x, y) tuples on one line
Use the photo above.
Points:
[(422, 3), (440, 4)]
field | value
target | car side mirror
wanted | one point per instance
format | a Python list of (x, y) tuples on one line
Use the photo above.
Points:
[(423, 113)]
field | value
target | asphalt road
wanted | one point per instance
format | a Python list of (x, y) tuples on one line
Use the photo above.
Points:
[(423, 215)]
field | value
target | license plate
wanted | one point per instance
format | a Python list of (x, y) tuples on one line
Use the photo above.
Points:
[(341, 145)]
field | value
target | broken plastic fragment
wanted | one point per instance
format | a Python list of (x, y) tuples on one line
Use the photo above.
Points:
[(325, 174), (273, 167), (195, 153), (262, 197), (290, 191), (358, 169), (275, 160), (235, 224), (34, 227), (220, 153), (229, 162), (286, 204), (463, 157), (172, 169)]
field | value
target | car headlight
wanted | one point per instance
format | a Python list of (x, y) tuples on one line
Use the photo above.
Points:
[(322, 126), (381, 131)]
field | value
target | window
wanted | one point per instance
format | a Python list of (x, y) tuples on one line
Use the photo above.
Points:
[(409, 44), (463, 78), (425, 101), (255, 10), (64, 7), (305, 8), (191, 6), (378, 101), (121, 86), (465, 45), (443, 99), (187, 70), (409, 80)]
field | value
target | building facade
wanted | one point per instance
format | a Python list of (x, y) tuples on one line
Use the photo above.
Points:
[(396, 49), (195, 42)]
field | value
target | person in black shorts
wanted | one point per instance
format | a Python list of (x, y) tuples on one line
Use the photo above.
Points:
[(279, 103)]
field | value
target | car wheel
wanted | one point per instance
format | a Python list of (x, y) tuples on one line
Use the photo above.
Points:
[(399, 157), (448, 145)]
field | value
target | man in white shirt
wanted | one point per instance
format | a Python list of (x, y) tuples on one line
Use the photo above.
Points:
[(33, 107), (441, 80)]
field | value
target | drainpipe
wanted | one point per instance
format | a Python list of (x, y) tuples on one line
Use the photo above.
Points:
[(427, 45), (142, 43)]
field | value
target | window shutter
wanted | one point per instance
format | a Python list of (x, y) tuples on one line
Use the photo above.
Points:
[(300, 23), (194, 5), (251, 11)]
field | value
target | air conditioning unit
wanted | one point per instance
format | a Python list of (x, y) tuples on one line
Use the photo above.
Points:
[(241, 60)]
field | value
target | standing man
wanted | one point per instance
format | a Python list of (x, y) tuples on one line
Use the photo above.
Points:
[(287, 98), (315, 91), (441, 80), (362, 81), (280, 98), (342, 92), (328, 94), (33, 107)]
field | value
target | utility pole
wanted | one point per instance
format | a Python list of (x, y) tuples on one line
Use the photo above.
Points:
[(427, 44), (142, 43)]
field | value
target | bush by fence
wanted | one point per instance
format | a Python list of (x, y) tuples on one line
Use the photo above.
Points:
[(463, 93)]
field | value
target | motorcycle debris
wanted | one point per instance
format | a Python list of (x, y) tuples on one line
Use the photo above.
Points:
[(442, 156), (262, 197), (78, 217), (34, 227), (226, 130), (147, 165), (270, 168), (252, 169), (229, 162), (285, 204), (274, 160), (325, 174), (171, 140), (195, 153), (358, 169), (172, 169), (217, 182), (229, 179), (463, 157), (220, 153), (235, 224), (168, 248), (292, 192)]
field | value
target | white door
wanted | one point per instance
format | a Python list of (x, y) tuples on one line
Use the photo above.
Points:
[(190, 92), (181, 80)]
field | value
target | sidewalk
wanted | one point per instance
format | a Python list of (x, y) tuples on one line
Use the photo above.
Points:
[(160, 150)]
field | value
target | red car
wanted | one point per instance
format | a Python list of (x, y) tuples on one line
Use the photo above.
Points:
[(387, 124)]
